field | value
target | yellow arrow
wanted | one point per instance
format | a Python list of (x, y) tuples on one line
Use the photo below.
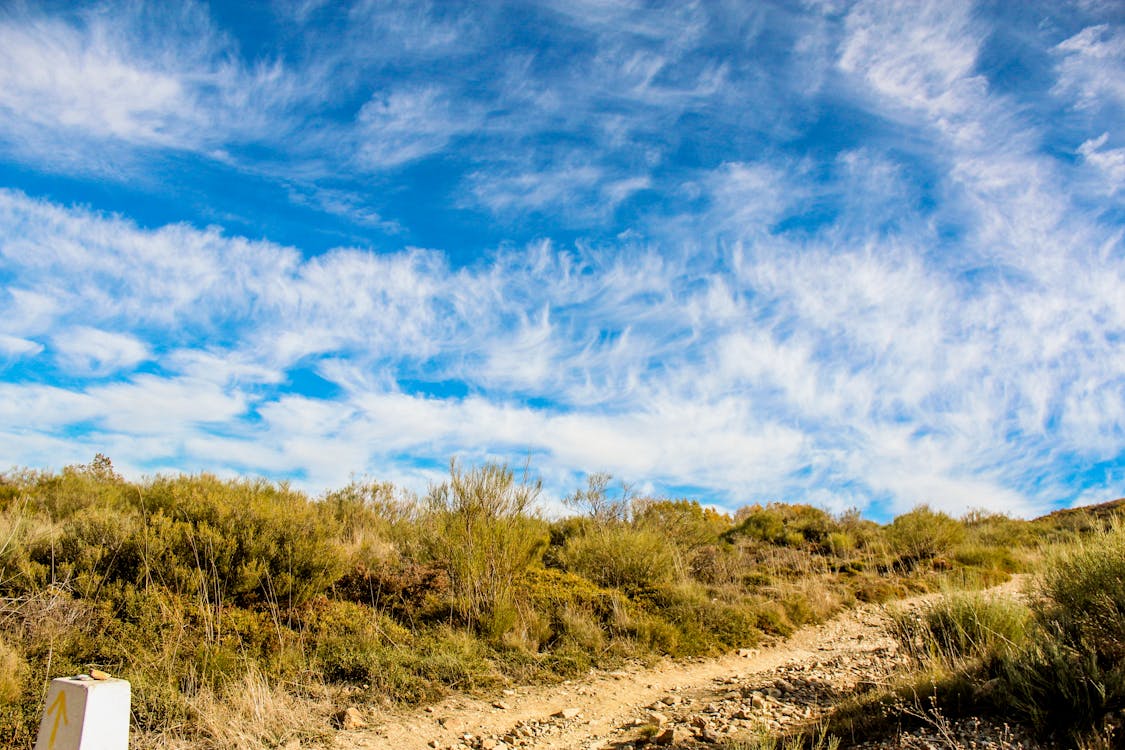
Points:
[(59, 709)]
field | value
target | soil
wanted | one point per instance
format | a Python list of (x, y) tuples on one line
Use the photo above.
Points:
[(704, 703)]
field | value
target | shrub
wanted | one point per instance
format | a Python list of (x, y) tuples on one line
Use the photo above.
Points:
[(620, 556), (997, 530), (1083, 587), (408, 590), (240, 541), (98, 544), (684, 523), (13, 669), (923, 534), (1058, 690), (963, 627), (486, 539), (784, 524), (596, 503)]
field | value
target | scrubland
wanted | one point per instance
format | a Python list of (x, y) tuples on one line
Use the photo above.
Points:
[(1052, 659), (247, 614)]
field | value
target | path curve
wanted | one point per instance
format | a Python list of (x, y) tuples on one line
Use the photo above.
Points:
[(688, 703)]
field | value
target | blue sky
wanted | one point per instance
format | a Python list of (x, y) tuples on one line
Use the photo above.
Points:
[(858, 254)]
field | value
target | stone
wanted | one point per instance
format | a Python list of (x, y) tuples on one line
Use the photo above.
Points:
[(657, 718), (757, 701), (568, 713), (670, 736), (350, 718)]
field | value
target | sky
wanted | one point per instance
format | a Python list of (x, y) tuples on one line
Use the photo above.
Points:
[(854, 254)]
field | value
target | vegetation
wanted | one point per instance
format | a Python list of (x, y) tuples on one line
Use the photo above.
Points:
[(246, 613), (1053, 660)]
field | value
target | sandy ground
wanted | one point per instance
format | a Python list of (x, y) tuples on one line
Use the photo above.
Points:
[(606, 709)]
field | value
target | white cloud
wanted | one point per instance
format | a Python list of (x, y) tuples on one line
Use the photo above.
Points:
[(13, 346), (52, 75), (220, 368), (144, 405), (1092, 67), (918, 55), (93, 92), (1110, 162), (404, 125), (92, 352), (578, 190)]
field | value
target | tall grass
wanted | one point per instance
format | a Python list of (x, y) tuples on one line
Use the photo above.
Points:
[(963, 628)]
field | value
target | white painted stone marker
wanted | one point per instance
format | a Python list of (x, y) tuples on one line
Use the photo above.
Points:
[(85, 714)]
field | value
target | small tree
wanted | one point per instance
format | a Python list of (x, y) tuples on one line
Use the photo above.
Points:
[(595, 500)]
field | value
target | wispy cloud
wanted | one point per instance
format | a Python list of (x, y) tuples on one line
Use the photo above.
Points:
[(403, 125), (863, 366), (80, 92), (1092, 67), (92, 352), (821, 252)]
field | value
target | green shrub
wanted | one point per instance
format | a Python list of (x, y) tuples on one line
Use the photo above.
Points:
[(987, 557), (923, 534), (1057, 664), (684, 523), (13, 669), (784, 524), (1062, 692), (1083, 589), (240, 541), (620, 556), (714, 564), (997, 530), (839, 543), (486, 538)]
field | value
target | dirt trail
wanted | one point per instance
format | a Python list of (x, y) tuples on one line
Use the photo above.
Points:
[(691, 703)]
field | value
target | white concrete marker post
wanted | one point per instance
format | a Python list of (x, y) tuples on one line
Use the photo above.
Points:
[(85, 714)]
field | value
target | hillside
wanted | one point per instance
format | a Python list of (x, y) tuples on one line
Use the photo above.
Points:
[(248, 614)]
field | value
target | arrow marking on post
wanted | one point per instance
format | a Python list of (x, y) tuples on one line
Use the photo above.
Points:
[(59, 709)]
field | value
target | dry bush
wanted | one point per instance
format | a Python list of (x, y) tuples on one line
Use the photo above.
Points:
[(13, 671), (256, 711)]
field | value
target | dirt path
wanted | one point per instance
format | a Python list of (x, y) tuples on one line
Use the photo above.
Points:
[(678, 704)]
